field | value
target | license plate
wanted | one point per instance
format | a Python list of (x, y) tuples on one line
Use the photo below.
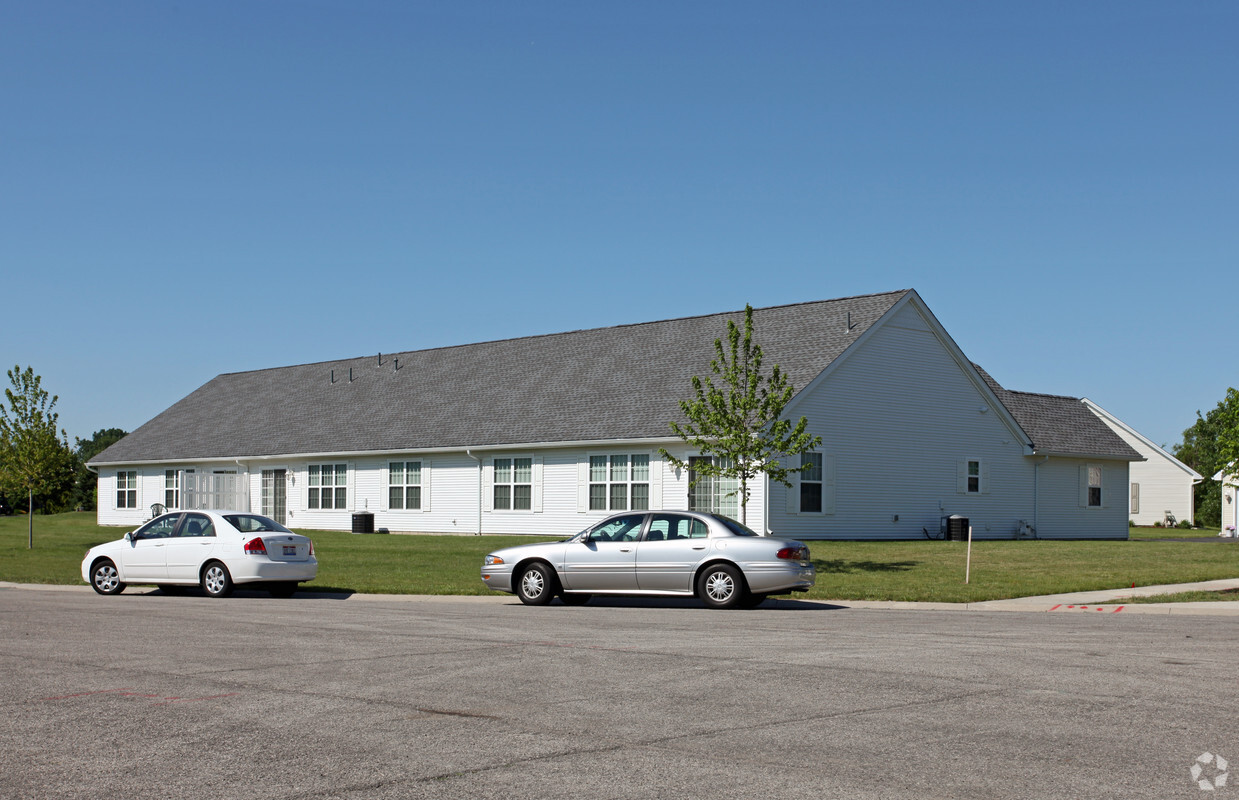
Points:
[(290, 549)]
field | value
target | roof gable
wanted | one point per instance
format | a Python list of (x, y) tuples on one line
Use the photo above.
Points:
[(617, 383)]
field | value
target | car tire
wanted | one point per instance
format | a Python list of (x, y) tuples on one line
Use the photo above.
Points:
[(104, 578), (536, 585), (282, 588), (216, 580), (721, 586), (574, 598)]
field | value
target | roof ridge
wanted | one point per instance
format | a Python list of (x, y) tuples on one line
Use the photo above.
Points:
[(396, 353)]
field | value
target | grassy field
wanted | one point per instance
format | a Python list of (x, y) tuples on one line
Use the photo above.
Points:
[(911, 571)]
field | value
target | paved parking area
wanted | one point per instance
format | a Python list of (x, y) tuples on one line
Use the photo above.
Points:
[(151, 696)]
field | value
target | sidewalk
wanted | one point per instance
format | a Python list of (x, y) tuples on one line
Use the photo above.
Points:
[(1090, 602)]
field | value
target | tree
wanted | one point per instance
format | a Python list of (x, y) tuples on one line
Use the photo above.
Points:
[(1210, 445), (85, 485), (34, 457), (741, 422)]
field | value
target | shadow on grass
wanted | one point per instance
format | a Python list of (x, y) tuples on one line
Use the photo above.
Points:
[(844, 567)]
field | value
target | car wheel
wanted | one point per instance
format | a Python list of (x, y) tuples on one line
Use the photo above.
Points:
[(574, 598), (104, 578), (282, 588), (721, 586), (536, 585), (216, 581)]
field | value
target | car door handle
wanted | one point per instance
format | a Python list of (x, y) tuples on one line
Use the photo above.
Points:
[(699, 547), (625, 549)]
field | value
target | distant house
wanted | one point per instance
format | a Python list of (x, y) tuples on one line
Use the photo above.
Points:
[(1161, 485), (1229, 478), (544, 435)]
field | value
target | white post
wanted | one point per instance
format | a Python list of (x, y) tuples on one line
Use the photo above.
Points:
[(968, 561)]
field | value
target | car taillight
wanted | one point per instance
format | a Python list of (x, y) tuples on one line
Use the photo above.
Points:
[(793, 553), (311, 547), (255, 547)]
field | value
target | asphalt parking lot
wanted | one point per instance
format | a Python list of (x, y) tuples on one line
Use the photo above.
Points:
[(151, 696)]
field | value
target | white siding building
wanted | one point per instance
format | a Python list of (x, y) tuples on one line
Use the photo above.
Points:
[(1160, 486), (544, 435)]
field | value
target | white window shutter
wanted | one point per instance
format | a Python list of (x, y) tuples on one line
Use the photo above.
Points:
[(656, 481), (384, 492), (829, 467), (1135, 499), (984, 477), (537, 484), (488, 484), (582, 484), (1084, 486), (426, 472), (961, 477)]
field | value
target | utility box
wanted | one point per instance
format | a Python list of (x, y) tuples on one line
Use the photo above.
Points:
[(956, 528), (363, 522)]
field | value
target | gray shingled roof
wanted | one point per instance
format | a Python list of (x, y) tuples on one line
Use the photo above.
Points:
[(1061, 425), (603, 384)]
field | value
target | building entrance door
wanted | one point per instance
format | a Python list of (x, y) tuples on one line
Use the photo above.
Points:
[(274, 494)]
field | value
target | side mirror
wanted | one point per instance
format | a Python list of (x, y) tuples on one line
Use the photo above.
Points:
[(131, 537)]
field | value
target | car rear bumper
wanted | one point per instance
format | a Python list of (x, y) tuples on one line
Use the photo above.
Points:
[(770, 577), (252, 571)]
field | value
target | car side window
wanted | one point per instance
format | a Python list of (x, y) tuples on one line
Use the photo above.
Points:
[(620, 529), (669, 527), (160, 528), (197, 525), (698, 529)]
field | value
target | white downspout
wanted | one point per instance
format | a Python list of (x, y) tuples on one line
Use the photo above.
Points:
[(475, 458)]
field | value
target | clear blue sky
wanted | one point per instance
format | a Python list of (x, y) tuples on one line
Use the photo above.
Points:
[(192, 188)]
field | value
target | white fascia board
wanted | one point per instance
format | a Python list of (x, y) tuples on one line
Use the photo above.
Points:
[(945, 338), (598, 443), (1106, 416), (1085, 456)]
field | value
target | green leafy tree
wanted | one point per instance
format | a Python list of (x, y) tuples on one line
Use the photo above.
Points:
[(739, 422), (86, 482), (35, 460), (1209, 445)]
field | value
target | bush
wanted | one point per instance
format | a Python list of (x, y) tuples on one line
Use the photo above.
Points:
[(1157, 524), (1184, 524)]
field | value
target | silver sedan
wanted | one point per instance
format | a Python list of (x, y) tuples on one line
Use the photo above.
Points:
[(676, 553)]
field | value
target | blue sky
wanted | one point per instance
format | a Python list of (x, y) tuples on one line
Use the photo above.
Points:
[(191, 188)]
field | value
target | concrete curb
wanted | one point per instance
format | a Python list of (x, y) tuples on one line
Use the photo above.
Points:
[(1096, 602)]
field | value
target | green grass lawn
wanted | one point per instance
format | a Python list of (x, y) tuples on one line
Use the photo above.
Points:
[(911, 571)]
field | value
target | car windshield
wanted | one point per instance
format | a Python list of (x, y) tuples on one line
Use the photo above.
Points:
[(253, 523), (736, 528)]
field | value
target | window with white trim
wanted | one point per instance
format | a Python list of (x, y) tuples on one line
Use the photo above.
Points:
[(717, 495), (127, 489), (619, 482), (172, 488), (974, 477), (513, 484), (328, 486), (811, 482), (404, 485), (1094, 486)]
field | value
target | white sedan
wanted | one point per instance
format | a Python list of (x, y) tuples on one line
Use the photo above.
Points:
[(211, 549)]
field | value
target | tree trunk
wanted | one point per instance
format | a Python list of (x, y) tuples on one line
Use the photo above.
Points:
[(30, 520)]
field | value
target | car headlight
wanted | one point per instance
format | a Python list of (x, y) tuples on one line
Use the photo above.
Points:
[(492, 560)]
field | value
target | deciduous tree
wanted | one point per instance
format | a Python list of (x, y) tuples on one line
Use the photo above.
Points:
[(34, 456), (740, 422)]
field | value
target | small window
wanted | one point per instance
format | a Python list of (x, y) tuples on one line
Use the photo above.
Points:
[(974, 477), (171, 489), (127, 489), (404, 485), (1094, 486), (811, 482)]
